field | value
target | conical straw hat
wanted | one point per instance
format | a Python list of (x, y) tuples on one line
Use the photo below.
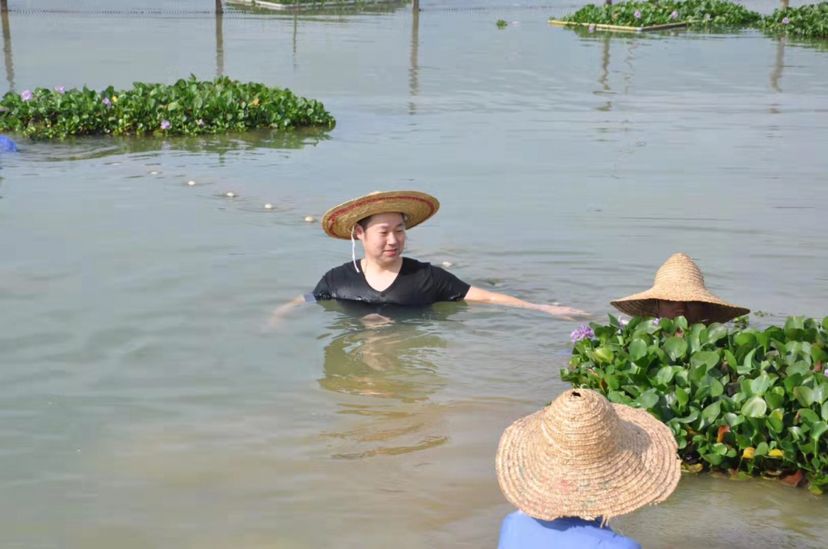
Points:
[(582, 456), (415, 206), (679, 279)]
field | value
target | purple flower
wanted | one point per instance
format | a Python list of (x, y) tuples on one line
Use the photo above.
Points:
[(674, 15), (200, 122), (637, 14), (786, 21), (26, 95), (60, 89), (106, 102), (591, 28), (656, 322), (581, 332), (165, 125)]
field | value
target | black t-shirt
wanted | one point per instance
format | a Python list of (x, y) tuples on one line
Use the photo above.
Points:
[(417, 284)]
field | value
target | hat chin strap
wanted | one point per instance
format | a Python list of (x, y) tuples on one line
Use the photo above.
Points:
[(353, 250)]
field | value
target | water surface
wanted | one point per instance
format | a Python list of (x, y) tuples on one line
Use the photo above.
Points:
[(145, 401)]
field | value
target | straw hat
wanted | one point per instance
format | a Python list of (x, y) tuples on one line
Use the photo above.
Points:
[(582, 456), (415, 206), (679, 279)]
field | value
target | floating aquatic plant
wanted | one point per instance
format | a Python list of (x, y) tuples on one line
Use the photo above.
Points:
[(703, 13), (187, 107), (808, 22), (737, 399)]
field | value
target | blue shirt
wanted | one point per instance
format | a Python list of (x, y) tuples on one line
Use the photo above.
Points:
[(520, 531)]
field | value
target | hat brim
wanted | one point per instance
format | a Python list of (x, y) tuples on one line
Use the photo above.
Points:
[(546, 484), (339, 221), (646, 303)]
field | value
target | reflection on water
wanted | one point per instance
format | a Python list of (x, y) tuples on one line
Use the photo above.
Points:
[(383, 363), (219, 40), (413, 67), (778, 65), (7, 50), (87, 148)]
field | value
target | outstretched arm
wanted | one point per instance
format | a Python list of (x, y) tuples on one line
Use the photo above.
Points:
[(280, 312), (480, 295)]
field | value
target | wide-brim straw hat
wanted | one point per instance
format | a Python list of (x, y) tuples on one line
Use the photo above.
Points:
[(583, 456), (414, 205), (679, 279)]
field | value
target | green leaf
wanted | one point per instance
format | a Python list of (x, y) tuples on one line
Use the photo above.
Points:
[(747, 364), (715, 332), (711, 412), (664, 375), (638, 350), (824, 413), (762, 449), (708, 358), (755, 407), (716, 388), (648, 399), (776, 420), (805, 395), (818, 429), (682, 397), (675, 347), (689, 418), (733, 419), (808, 415), (759, 385)]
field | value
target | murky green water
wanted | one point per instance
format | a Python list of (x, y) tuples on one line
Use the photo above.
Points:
[(144, 402)]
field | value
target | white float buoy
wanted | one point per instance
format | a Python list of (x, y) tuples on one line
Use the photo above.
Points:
[(268, 206), (230, 194), (191, 183), (447, 264), (309, 219), (154, 172)]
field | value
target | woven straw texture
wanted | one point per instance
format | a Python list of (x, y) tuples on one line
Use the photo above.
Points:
[(416, 206), (679, 279), (582, 456)]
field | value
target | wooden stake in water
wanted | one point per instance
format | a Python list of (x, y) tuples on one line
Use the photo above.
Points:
[(219, 8)]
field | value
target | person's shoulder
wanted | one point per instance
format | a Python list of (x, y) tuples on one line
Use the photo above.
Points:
[(344, 269)]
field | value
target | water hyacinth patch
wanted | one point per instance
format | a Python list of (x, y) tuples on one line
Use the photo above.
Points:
[(737, 399), (806, 22), (188, 107), (698, 13)]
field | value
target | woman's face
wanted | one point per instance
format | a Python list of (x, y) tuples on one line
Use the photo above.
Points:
[(691, 310), (383, 237)]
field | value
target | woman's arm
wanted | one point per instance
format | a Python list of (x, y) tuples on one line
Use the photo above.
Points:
[(480, 295)]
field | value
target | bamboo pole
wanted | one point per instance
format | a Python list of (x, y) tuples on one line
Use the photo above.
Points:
[(4, 6), (219, 8)]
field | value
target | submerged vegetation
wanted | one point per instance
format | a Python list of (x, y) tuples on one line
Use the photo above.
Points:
[(188, 107), (807, 22), (737, 399)]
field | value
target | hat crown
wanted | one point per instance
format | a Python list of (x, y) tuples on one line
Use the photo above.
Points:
[(679, 271), (581, 424)]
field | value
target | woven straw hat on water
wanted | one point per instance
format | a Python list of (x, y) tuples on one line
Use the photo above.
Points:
[(415, 206), (583, 456), (679, 279)]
